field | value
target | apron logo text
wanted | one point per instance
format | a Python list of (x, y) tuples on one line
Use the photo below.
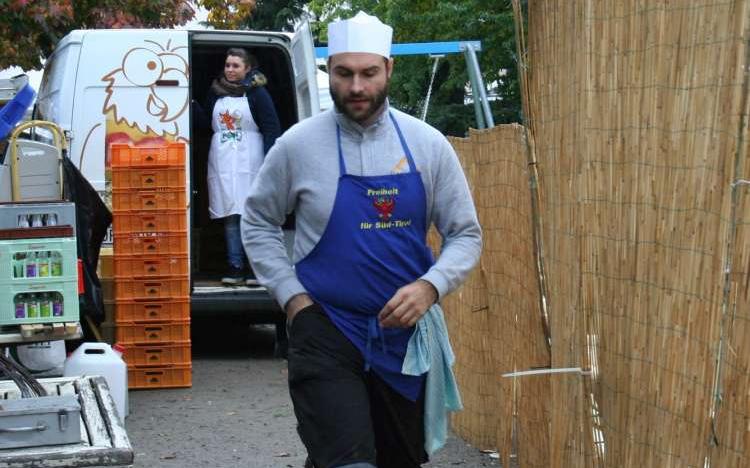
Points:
[(396, 223)]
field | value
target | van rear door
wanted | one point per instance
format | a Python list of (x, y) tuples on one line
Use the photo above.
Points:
[(305, 72)]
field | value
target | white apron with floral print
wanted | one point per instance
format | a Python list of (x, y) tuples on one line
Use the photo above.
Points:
[(235, 156)]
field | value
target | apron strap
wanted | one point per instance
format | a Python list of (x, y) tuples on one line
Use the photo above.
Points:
[(401, 139), (342, 166), (412, 166)]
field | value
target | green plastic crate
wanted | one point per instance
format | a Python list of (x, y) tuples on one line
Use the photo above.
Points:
[(32, 261), (31, 291)]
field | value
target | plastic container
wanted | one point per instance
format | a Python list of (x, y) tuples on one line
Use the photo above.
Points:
[(101, 359), (172, 310), (152, 178), (28, 297), (12, 112), (153, 288), (152, 244), (151, 200), (130, 222), (149, 267), (159, 355), (152, 333), (176, 376), (168, 155)]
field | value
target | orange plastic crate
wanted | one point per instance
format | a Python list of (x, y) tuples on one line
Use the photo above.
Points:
[(167, 155), (160, 377), (156, 243), (158, 354), (126, 178), (151, 288), (127, 266), (129, 222), (150, 333), (148, 200), (139, 311)]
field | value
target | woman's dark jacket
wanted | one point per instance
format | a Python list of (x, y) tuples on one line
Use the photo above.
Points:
[(261, 108)]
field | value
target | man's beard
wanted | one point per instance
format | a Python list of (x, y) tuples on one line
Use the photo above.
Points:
[(376, 102)]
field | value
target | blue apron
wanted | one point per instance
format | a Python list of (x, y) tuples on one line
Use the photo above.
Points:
[(375, 243)]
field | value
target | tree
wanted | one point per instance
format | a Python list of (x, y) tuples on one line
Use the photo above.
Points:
[(228, 14), (277, 15), (259, 15), (29, 30), (490, 21)]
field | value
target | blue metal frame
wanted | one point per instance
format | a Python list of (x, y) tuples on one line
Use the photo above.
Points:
[(420, 48), (468, 48)]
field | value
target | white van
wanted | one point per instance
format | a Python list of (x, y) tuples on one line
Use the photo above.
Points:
[(137, 86)]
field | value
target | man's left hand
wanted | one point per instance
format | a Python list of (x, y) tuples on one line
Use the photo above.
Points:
[(408, 305)]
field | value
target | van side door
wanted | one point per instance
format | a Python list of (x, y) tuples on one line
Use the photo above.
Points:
[(305, 72)]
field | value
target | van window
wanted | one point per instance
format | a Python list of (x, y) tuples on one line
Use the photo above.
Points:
[(56, 75)]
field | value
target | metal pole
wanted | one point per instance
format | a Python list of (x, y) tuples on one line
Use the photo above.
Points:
[(477, 106), (429, 90), (478, 90)]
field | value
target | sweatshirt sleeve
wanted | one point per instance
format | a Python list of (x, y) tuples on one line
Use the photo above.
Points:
[(455, 218), (264, 114), (265, 210)]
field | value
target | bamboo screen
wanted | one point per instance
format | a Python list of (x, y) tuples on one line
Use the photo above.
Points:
[(638, 115), (494, 319)]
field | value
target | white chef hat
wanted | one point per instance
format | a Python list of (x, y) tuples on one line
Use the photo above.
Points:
[(362, 33)]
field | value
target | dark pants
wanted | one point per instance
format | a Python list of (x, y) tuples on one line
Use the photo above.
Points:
[(346, 415)]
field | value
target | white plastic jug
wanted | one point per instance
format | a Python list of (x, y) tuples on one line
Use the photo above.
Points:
[(100, 359)]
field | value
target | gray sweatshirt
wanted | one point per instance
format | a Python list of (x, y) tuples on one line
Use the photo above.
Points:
[(300, 174)]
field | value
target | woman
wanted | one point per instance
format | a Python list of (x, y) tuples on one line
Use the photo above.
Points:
[(245, 126)]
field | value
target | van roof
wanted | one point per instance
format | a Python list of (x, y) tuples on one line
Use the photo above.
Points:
[(77, 35)]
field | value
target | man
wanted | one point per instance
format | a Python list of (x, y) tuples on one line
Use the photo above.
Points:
[(365, 182)]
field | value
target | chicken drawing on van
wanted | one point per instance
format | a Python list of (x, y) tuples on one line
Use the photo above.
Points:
[(141, 95)]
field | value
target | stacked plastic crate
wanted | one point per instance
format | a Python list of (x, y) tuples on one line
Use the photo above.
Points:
[(151, 271), (38, 264)]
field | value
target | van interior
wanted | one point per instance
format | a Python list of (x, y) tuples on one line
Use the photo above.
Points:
[(208, 252)]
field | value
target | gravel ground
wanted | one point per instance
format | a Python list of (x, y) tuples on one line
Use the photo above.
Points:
[(238, 412)]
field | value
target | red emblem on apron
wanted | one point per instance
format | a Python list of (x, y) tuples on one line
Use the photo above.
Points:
[(385, 206)]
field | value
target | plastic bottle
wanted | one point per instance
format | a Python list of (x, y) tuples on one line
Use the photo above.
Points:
[(32, 306), (42, 262), (57, 304), (31, 265), (50, 219), (19, 265), (19, 303), (23, 221), (45, 305), (55, 264), (36, 220), (100, 359)]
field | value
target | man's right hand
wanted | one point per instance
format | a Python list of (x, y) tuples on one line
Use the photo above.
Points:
[(295, 304)]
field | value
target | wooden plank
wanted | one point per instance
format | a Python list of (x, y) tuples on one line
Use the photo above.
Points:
[(31, 333), (74, 455), (95, 424), (109, 412)]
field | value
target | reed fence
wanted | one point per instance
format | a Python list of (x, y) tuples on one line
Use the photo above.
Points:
[(636, 135)]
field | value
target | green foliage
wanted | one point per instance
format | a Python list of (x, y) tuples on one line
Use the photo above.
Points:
[(489, 21), (259, 15), (276, 15), (29, 30)]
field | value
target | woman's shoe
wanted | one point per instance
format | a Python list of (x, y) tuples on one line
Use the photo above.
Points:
[(234, 277)]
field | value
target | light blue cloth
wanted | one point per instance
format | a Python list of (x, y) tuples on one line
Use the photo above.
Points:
[(429, 350)]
